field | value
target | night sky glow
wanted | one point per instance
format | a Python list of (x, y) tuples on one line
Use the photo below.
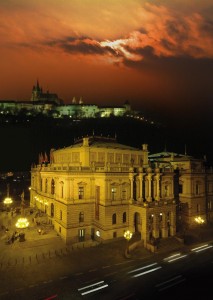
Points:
[(156, 54)]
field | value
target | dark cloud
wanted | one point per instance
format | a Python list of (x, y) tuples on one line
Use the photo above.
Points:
[(207, 27), (178, 30), (81, 45)]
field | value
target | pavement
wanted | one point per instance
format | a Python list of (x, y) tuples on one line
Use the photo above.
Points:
[(43, 257)]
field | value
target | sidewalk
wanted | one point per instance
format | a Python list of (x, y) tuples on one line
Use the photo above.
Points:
[(43, 248)]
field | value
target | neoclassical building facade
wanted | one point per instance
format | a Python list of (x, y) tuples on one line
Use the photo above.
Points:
[(97, 189), (193, 186)]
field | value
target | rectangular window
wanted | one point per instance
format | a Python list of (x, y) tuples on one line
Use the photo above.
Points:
[(114, 234), (101, 156), (81, 192), (110, 157), (113, 193), (133, 158), (60, 214), (126, 158), (123, 194), (75, 157), (118, 158)]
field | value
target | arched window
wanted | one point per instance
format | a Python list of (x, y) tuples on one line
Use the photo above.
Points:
[(81, 217), (166, 190), (124, 217), (62, 189), (114, 219), (52, 210), (52, 186), (197, 189)]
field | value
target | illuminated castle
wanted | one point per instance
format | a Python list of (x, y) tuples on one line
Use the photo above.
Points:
[(50, 104)]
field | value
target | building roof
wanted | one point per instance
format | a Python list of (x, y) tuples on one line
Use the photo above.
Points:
[(162, 156), (103, 142)]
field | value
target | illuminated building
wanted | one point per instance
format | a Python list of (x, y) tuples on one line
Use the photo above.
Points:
[(50, 104), (98, 189), (193, 184)]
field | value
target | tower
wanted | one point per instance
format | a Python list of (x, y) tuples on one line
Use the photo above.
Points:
[(36, 92)]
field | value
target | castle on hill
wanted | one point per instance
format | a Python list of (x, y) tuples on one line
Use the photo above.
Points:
[(50, 104)]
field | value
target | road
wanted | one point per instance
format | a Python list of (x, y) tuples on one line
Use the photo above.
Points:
[(187, 275)]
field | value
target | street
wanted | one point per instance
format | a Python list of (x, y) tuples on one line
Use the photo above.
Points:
[(179, 275)]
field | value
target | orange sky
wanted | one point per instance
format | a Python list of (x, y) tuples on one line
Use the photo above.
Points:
[(156, 54)]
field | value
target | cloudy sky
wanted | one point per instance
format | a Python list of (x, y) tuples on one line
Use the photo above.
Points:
[(156, 54)]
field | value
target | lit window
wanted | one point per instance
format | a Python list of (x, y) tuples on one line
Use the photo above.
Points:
[(113, 193), (81, 235)]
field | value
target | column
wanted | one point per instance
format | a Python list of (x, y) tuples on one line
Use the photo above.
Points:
[(157, 177), (131, 187), (140, 179), (149, 178)]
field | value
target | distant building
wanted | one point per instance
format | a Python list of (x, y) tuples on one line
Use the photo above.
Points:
[(44, 98), (97, 188), (50, 104)]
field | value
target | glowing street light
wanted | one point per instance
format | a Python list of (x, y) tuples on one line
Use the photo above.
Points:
[(199, 220), (22, 223), (127, 236), (8, 200)]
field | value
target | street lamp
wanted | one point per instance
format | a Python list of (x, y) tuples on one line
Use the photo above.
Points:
[(199, 221), (127, 236), (22, 223), (8, 200)]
